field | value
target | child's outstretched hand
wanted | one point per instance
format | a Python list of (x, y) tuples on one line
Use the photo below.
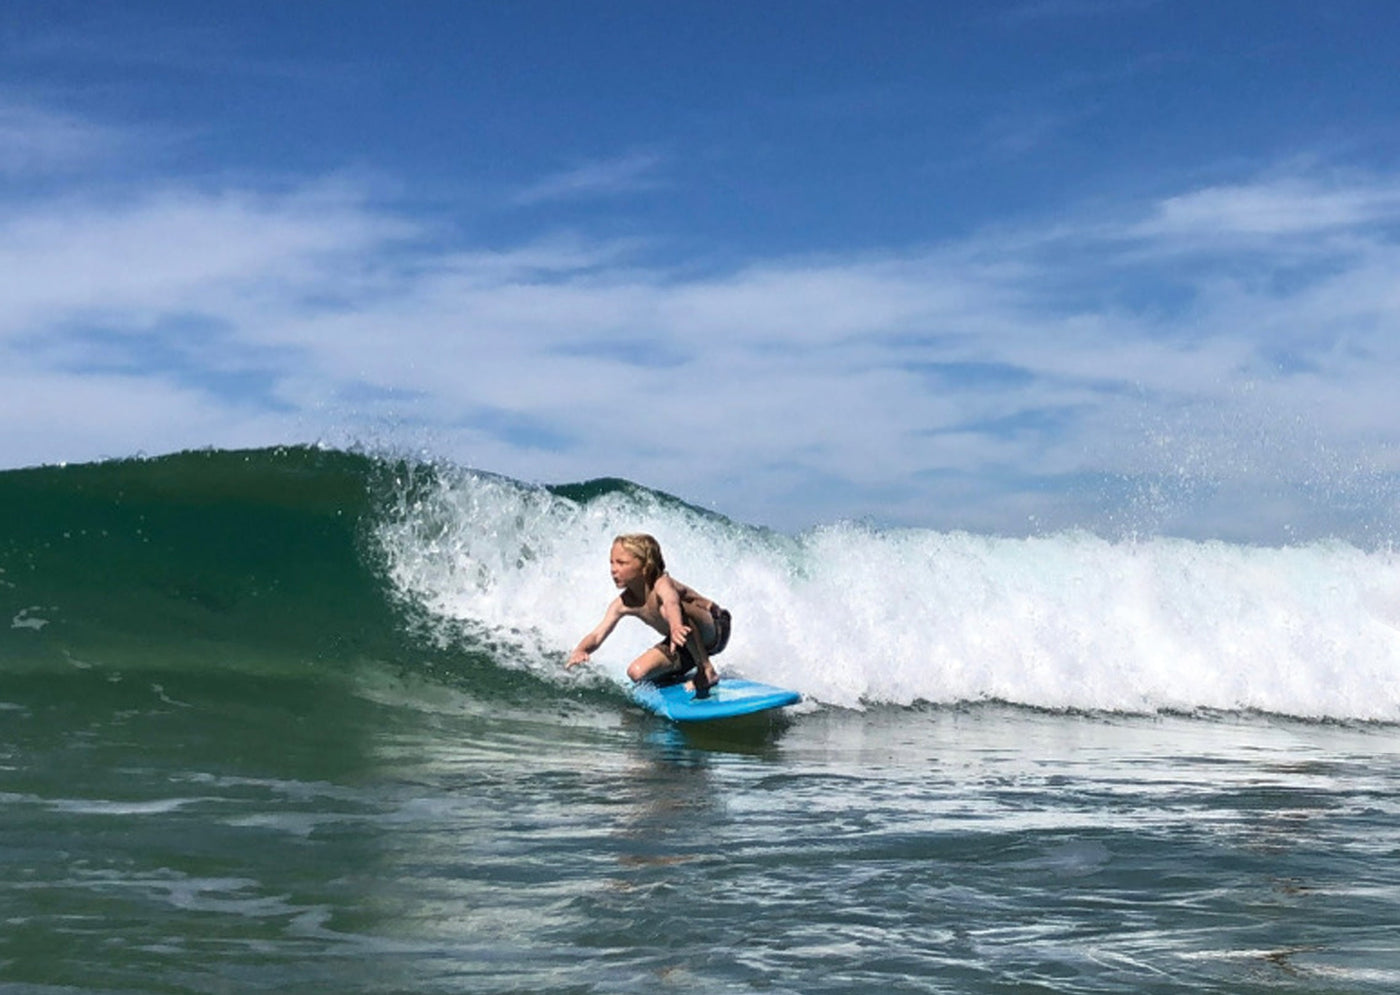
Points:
[(575, 658)]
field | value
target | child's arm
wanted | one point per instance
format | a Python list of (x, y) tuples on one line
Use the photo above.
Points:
[(594, 639), (672, 612)]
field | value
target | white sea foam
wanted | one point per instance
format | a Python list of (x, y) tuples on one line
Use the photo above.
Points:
[(26, 619), (850, 615)]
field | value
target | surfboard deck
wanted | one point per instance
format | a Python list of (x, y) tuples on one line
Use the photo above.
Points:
[(731, 697)]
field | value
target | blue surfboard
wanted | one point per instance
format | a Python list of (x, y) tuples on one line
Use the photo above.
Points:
[(729, 698)]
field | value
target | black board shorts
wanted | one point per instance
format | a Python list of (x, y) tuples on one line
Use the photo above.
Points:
[(685, 661)]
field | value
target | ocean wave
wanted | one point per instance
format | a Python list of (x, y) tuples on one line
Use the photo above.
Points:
[(294, 558)]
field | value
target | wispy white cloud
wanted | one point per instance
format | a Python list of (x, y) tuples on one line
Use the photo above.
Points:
[(172, 250), (71, 416), (958, 384), (626, 174), (38, 142), (1289, 206)]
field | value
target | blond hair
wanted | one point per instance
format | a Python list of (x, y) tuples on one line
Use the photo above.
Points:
[(646, 549)]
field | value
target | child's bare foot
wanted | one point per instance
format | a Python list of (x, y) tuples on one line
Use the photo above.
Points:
[(704, 679)]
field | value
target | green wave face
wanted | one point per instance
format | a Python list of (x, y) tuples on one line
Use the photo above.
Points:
[(253, 557)]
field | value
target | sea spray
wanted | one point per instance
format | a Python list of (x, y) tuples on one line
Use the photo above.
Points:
[(853, 616)]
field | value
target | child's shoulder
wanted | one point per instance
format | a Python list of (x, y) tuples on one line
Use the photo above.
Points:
[(666, 584), (672, 584)]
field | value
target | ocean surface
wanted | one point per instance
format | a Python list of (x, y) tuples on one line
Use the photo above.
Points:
[(295, 720)]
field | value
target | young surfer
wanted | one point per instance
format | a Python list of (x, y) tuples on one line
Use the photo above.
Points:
[(694, 627)]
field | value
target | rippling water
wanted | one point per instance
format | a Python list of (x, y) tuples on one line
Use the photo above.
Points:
[(296, 721), (405, 839)]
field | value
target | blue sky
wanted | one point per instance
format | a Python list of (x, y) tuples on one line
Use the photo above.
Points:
[(1004, 266)]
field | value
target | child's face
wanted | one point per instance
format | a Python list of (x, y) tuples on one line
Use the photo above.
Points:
[(625, 567)]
